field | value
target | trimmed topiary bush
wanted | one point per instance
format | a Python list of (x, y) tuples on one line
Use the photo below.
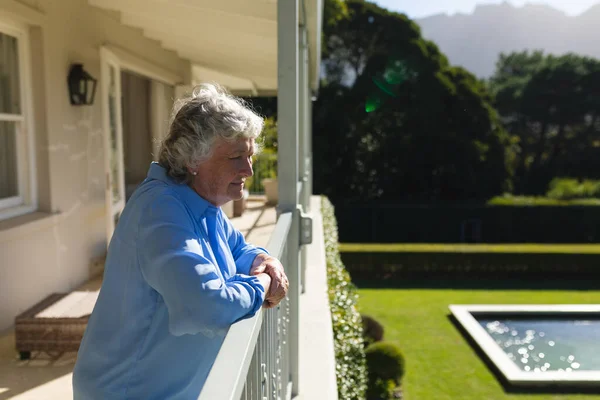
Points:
[(372, 330), (385, 366), (350, 360), (385, 360)]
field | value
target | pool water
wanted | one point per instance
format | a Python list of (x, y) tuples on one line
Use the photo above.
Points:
[(539, 345)]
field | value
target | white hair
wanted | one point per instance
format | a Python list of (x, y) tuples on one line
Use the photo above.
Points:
[(197, 121)]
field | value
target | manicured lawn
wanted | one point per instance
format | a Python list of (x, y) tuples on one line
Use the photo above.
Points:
[(440, 362), (469, 248)]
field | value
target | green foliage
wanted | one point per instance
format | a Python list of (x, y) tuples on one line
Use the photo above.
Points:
[(347, 327), (381, 389), (264, 163), (264, 166), (510, 200), (549, 105), (385, 360), (372, 330), (385, 366), (334, 11), (561, 192), (398, 122), (570, 189), (268, 139)]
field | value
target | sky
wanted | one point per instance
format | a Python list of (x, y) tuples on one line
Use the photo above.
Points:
[(424, 8)]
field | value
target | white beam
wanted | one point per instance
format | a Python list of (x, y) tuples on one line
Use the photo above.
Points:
[(287, 126), (287, 103), (302, 93), (259, 10), (302, 81), (233, 64), (314, 23), (305, 118), (140, 66), (178, 17), (233, 83), (18, 10), (251, 46)]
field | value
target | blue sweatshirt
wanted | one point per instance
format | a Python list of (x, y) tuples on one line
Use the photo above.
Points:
[(175, 279)]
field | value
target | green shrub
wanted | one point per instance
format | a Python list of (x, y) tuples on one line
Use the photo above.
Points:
[(385, 361), (264, 166), (351, 369), (268, 139), (265, 162), (510, 200), (561, 192), (372, 330), (381, 389), (570, 189), (385, 366)]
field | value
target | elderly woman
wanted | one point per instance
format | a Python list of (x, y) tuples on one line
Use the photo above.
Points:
[(178, 274)]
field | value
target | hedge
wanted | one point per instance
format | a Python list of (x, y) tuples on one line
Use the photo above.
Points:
[(395, 223), (351, 367), (547, 266)]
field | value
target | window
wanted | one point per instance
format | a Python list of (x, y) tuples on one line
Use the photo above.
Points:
[(16, 161)]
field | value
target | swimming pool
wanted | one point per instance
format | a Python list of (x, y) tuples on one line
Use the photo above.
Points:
[(537, 345)]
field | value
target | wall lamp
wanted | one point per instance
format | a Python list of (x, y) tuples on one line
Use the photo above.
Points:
[(82, 86)]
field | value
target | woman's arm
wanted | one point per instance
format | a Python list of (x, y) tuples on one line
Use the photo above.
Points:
[(173, 262)]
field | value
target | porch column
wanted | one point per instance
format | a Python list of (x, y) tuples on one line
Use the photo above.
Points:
[(305, 121), (303, 96), (287, 154)]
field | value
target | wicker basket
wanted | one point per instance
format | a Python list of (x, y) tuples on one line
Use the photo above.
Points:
[(57, 323)]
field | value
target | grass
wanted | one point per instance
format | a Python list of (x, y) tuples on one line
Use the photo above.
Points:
[(440, 363), (469, 248)]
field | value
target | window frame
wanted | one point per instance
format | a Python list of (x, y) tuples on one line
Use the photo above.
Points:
[(26, 200)]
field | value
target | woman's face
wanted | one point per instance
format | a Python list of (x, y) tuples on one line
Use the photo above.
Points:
[(220, 179)]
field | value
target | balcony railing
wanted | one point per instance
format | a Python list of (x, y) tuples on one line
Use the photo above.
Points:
[(257, 348), (259, 356)]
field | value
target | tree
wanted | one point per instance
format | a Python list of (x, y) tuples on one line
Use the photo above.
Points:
[(395, 122), (549, 104)]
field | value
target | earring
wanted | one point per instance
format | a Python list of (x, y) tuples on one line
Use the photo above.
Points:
[(194, 173)]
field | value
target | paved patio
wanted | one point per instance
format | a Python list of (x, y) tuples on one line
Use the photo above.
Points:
[(48, 376)]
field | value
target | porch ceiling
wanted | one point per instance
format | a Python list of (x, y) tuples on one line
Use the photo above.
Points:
[(231, 41)]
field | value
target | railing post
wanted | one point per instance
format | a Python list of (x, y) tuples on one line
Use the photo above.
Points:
[(302, 126), (308, 146), (305, 119), (304, 131), (302, 81), (287, 123)]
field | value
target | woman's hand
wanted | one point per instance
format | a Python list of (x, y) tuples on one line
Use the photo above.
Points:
[(279, 285), (265, 281)]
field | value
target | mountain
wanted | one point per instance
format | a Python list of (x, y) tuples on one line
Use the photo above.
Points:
[(475, 40)]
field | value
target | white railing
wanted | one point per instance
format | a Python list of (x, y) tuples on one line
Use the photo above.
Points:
[(254, 361), (259, 358)]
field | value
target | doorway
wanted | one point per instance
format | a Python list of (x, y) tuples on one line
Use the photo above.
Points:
[(137, 130), (136, 107)]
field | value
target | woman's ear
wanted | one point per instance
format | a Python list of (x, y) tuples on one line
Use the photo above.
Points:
[(192, 171)]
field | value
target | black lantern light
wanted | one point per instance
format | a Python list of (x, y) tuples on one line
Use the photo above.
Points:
[(82, 86)]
